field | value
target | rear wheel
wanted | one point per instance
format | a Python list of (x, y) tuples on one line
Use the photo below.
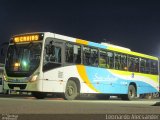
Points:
[(39, 95), (71, 91), (131, 93)]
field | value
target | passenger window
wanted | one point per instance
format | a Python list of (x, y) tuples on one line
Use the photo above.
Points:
[(86, 55), (154, 67), (110, 60), (90, 56), (103, 59), (133, 64), (52, 55), (117, 61), (124, 62), (142, 65), (73, 53), (136, 64), (77, 54), (94, 57), (120, 61), (69, 53), (148, 66)]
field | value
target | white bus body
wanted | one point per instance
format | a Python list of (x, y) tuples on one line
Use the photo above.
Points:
[(36, 62)]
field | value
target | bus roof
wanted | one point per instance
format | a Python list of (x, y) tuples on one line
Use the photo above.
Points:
[(104, 46), (93, 44)]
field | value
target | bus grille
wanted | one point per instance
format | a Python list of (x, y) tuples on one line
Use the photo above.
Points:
[(21, 86)]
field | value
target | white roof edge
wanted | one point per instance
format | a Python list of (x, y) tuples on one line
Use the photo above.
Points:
[(62, 37)]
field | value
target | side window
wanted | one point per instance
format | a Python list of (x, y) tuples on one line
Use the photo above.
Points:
[(73, 53), (90, 56), (52, 55), (86, 55), (110, 60), (154, 67), (94, 57), (77, 54), (120, 61), (136, 64), (56, 55), (103, 59), (148, 66), (143, 65), (69, 53), (124, 62), (133, 64), (117, 61)]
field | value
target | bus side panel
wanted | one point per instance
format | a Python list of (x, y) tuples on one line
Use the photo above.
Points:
[(55, 80), (101, 80), (52, 82), (115, 81), (98, 80), (147, 84)]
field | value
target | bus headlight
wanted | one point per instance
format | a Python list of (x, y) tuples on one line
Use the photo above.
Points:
[(4, 78), (33, 78)]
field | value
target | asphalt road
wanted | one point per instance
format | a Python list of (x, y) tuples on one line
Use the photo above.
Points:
[(29, 107)]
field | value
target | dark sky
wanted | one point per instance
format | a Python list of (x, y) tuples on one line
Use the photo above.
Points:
[(130, 23)]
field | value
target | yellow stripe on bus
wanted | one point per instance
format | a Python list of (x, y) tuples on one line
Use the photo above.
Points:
[(80, 41), (131, 53), (82, 72), (126, 73)]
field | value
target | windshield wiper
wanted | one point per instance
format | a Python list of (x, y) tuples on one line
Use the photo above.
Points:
[(29, 45)]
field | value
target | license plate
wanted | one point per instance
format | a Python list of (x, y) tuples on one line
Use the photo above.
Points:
[(16, 88)]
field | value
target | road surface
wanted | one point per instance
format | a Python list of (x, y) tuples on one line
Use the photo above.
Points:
[(29, 105)]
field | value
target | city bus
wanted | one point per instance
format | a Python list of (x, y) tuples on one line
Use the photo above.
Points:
[(45, 62)]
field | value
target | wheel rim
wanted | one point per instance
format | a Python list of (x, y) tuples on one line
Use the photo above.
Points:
[(131, 93), (70, 90)]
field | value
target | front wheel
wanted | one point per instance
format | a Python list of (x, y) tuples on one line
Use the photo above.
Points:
[(131, 93), (71, 91)]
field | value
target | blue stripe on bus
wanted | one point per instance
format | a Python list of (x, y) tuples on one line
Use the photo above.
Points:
[(105, 82), (97, 45)]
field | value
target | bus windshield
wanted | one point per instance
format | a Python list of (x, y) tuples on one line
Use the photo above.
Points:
[(23, 59)]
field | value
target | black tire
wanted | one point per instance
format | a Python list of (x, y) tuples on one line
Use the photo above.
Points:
[(131, 93), (102, 96), (39, 95), (71, 91)]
